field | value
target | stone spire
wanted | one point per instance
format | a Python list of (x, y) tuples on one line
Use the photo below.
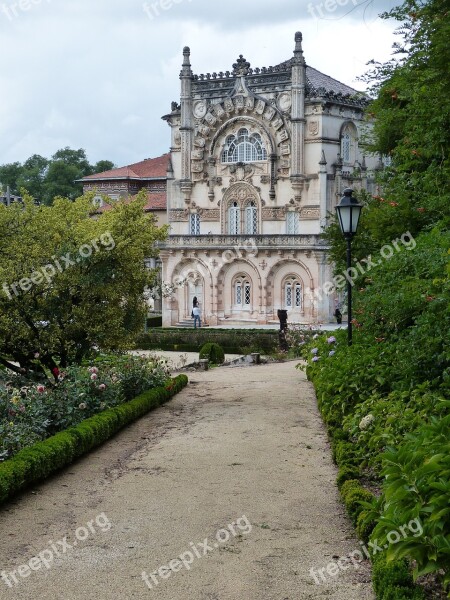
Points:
[(298, 52)]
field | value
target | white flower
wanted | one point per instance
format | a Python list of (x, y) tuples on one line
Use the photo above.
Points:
[(366, 421)]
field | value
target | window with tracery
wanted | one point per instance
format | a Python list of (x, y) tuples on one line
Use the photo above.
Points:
[(244, 147), (348, 144), (292, 222), (293, 294), (242, 293), (251, 218), (194, 224), (234, 219)]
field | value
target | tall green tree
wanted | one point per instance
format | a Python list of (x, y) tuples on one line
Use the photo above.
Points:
[(9, 176), (32, 178), (72, 282)]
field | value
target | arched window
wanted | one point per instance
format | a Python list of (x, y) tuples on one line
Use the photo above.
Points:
[(234, 219), (244, 147), (348, 144), (242, 293), (292, 294), (251, 218)]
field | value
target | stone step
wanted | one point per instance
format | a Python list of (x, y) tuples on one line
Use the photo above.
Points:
[(189, 323)]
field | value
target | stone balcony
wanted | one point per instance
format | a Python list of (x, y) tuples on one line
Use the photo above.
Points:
[(226, 242)]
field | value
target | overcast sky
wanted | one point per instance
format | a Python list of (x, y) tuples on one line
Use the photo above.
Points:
[(99, 74)]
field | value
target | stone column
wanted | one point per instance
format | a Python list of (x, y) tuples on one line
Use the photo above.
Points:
[(186, 128), (298, 117), (323, 189)]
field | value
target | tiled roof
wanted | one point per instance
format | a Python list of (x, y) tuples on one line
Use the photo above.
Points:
[(316, 80), (150, 168), (155, 201)]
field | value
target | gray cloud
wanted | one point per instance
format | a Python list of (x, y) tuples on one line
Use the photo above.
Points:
[(99, 75)]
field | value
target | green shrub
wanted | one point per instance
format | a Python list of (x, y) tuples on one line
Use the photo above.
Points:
[(213, 352), (43, 458)]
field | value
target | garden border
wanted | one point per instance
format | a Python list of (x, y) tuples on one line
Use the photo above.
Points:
[(44, 458), (391, 580)]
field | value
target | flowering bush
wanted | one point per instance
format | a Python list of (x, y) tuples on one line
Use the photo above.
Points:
[(29, 413)]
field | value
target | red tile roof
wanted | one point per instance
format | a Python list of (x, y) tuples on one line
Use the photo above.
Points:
[(150, 168), (155, 201)]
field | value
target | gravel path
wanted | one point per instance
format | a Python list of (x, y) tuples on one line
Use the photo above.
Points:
[(234, 475)]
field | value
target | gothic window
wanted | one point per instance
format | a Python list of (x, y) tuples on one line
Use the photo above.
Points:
[(234, 219), (242, 293), (194, 224), (292, 294), (244, 147), (251, 218), (348, 144), (292, 222)]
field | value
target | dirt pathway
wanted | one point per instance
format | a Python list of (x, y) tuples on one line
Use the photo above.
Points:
[(234, 476)]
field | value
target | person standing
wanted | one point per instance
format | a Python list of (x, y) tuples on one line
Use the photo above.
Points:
[(196, 313)]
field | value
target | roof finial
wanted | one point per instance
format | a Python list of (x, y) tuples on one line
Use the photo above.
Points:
[(241, 66), (298, 52)]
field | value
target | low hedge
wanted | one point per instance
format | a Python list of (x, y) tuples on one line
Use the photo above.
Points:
[(392, 580), (236, 341), (37, 462)]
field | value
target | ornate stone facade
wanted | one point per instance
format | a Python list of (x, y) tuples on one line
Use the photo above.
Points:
[(259, 158)]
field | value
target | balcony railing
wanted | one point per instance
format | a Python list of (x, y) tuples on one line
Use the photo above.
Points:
[(262, 242)]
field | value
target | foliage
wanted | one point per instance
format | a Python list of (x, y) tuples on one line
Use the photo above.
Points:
[(213, 352), (417, 486), (35, 463), (234, 341), (45, 179), (29, 413), (72, 282)]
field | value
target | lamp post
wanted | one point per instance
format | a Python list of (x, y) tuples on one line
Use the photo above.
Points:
[(348, 212)]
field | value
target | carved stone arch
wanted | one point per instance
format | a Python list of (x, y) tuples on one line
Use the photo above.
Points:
[(280, 272), (348, 138), (228, 273), (242, 193), (197, 272), (256, 123)]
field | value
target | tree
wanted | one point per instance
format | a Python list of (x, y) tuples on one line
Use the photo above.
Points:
[(72, 282), (102, 166), (33, 176), (9, 175)]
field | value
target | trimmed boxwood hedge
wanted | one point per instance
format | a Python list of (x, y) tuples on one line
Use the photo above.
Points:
[(233, 341), (391, 580), (37, 462)]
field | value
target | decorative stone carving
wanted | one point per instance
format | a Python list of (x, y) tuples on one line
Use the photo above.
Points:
[(277, 122), (260, 106), (200, 142), (282, 136), (229, 106), (250, 103), (241, 172), (285, 149), (273, 214), (204, 130), (218, 109), (178, 215), (284, 101), (310, 212), (241, 66), (313, 128), (269, 114), (197, 154), (210, 119), (200, 109)]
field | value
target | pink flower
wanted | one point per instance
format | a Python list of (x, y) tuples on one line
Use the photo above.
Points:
[(93, 370), (102, 387), (36, 355), (94, 376), (41, 389)]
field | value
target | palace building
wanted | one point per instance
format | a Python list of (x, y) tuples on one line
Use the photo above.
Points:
[(258, 158)]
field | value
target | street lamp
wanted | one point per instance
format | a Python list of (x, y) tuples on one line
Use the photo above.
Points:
[(348, 212)]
